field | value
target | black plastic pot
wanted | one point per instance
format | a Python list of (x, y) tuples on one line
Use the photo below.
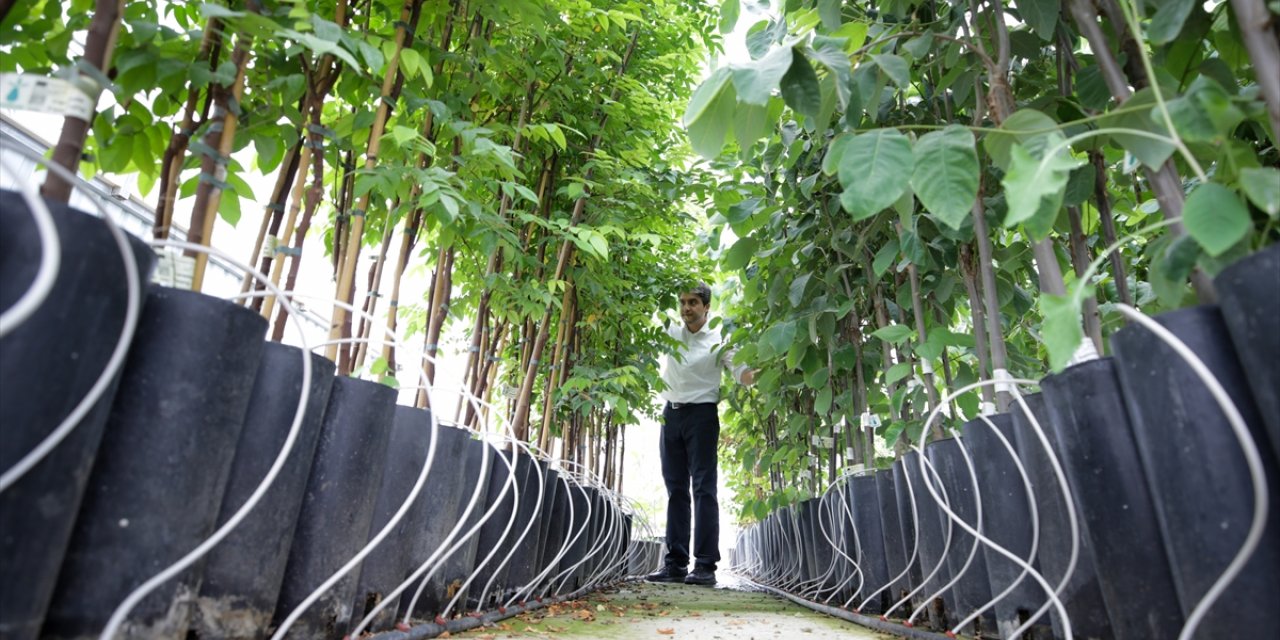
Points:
[(242, 574), (1249, 296), (973, 589), (1006, 518), (1095, 439), (386, 567), (1196, 470), (934, 530), (827, 523), (499, 533), (579, 521), (456, 567), (807, 516), (528, 529), (338, 508), (557, 526), (894, 553), (47, 365), (1081, 596), (550, 494), (154, 491), (904, 489), (864, 504)]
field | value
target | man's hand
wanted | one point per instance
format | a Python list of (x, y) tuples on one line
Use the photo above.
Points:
[(749, 377)]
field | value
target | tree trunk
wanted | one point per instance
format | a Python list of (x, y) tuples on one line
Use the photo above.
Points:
[(1258, 28), (99, 45)]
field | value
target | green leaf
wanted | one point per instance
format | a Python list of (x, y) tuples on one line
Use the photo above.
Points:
[(1029, 182), (776, 340), (707, 134), (800, 87), (1061, 329), (379, 366), (895, 67), (229, 207), (756, 80), (894, 333), (1137, 115), (215, 10), (822, 404), (1168, 21), (818, 378), (945, 178), (1215, 217), (835, 151), (729, 11), (1041, 15), (874, 171), (795, 293), (740, 254), (1024, 125), (829, 11), (705, 95), (750, 124), (885, 257), (1205, 113), (897, 372), (1262, 186)]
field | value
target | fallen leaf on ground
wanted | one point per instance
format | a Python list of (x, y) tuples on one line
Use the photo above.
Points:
[(667, 632)]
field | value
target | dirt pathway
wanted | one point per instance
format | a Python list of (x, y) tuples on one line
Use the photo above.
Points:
[(642, 611)]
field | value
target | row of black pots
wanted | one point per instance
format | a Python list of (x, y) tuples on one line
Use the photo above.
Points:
[(190, 425), (1146, 462)]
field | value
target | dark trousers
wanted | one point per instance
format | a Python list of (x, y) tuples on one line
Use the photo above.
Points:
[(688, 449)]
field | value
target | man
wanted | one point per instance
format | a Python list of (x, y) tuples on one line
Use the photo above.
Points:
[(690, 433)]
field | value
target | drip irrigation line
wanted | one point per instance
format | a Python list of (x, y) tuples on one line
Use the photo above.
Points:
[(133, 310), (121, 613), (869, 622), (1261, 495), (50, 256)]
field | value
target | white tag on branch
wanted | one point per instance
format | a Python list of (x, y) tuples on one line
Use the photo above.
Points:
[(1130, 163), (848, 453), (987, 408), (174, 270), (31, 92), (828, 442), (1084, 353), (815, 440), (1004, 382), (269, 245), (839, 427), (869, 421), (926, 368)]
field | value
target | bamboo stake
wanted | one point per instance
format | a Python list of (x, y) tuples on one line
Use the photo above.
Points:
[(213, 169), (175, 153), (345, 275)]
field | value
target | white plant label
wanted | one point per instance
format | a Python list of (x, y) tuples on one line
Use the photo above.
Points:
[(174, 270), (30, 92)]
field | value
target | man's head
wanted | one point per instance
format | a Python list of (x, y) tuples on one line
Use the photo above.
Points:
[(695, 302)]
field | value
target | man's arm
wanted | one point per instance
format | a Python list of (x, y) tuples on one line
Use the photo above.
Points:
[(744, 374)]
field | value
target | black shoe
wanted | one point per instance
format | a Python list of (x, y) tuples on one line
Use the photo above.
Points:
[(668, 574), (701, 576)]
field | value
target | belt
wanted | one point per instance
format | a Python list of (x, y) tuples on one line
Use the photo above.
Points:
[(686, 405)]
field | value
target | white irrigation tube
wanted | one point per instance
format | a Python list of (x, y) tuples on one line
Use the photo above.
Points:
[(911, 558), (1027, 568), (836, 548), (973, 549), (510, 485), (133, 309), (122, 610), (926, 470), (50, 258), (1033, 510), (1261, 495), (1072, 520), (569, 541), (515, 511)]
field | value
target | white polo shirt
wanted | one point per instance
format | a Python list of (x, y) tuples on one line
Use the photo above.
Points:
[(693, 373)]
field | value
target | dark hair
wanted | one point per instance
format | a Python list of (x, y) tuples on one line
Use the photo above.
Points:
[(702, 291)]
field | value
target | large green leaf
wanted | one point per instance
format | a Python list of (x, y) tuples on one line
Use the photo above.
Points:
[(897, 372), (835, 151), (875, 171), (705, 95), (756, 80), (1168, 21), (1061, 328), (800, 87), (750, 124), (1030, 182), (741, 253), (1262, 186), (895, 67), (1135, 113), (1023, 126), (1215, 217), (1041, 15), (822, 403), (795, 293), (776, 340), (945, 178), (729, 10), (708, 132), (894, 333)]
